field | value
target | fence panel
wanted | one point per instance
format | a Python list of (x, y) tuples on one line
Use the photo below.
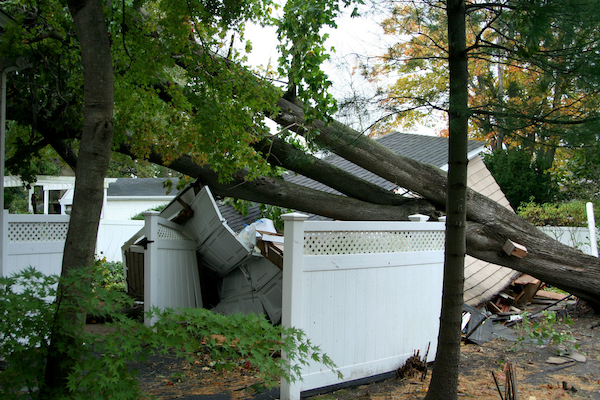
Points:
[(577, 237), (171, 278), (33, 241), (368, 293), (111, 236)]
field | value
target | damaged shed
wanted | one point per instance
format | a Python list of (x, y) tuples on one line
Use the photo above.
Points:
[(355, 288), (188, 256)]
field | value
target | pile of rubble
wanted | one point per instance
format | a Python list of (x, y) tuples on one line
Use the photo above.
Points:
[(525, 294)]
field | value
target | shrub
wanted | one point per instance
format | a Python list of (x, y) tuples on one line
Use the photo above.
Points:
[(140, 216), (521, 176), (543, 331), (103, 365), (111, 275), (556, 214)]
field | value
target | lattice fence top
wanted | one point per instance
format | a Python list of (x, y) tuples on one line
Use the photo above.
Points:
[(37, 231), (367, 242), (166, 233)]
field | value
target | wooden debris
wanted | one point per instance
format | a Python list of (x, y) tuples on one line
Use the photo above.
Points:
[(550, 295), (413, 366), (510, 383), (558, 360), (510, 387), (185, 214), (497, 386), (577, 357), (528, 286), (514, 249), (492, 307), (271, 251)]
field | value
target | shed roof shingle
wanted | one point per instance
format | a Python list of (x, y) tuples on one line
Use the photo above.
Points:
[(427, 149), (129, 187)]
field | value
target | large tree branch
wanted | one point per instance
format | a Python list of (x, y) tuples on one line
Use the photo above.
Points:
[(427, 180), (544, 120), (278, 192), (282, 154), (490, 224), (495, 224)]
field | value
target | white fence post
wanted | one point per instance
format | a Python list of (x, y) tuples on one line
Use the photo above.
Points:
[(592, 227), (151, 286), (4, 243), (292, 288)]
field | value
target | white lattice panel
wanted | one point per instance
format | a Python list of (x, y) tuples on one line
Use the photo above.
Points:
[(365, 242), (164, 232), (37, 232)]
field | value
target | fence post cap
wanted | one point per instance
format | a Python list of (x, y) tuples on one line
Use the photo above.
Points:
[(418, 217), (294, 217)]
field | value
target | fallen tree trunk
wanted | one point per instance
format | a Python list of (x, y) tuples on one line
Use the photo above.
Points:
[(489, 224), (278, 192), (548, 260)]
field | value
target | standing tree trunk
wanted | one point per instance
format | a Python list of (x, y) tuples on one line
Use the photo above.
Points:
[(92, 164), (444, 380)]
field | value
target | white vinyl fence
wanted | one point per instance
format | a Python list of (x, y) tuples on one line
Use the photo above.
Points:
[(111, 236), (571, 236), (38, 240), (368, 293), (170, 268), (35, 241)]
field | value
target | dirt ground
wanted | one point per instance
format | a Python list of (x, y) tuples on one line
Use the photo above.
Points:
[(537, 379)]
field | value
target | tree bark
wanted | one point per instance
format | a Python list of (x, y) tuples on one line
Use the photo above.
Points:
[(281, 154), (278, 192), (488, 227), (93, 159), (489, 224), (444, 379)]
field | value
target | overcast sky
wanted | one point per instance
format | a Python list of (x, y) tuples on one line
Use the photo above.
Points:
[(355, 37)]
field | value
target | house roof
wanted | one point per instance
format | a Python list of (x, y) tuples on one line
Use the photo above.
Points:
[(427, 149), (482, 280), (235, 219), (144, 187)]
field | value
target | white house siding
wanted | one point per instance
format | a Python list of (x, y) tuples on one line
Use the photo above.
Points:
[(482, 279), (481, 180), (125, 208)]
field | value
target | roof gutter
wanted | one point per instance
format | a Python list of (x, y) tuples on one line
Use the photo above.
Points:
[(470, 156)]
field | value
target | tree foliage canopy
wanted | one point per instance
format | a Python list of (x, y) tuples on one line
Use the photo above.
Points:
[(183, 97), (522, 179), (533, 80), (181, 83)]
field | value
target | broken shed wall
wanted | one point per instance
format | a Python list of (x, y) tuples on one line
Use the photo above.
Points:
[(483, 280), (171, 278), (368, 293)]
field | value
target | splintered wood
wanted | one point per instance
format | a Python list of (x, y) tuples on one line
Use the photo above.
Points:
[(510, 382), (413, 366)]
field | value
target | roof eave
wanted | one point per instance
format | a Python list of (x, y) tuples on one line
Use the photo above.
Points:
[(470, 156)]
